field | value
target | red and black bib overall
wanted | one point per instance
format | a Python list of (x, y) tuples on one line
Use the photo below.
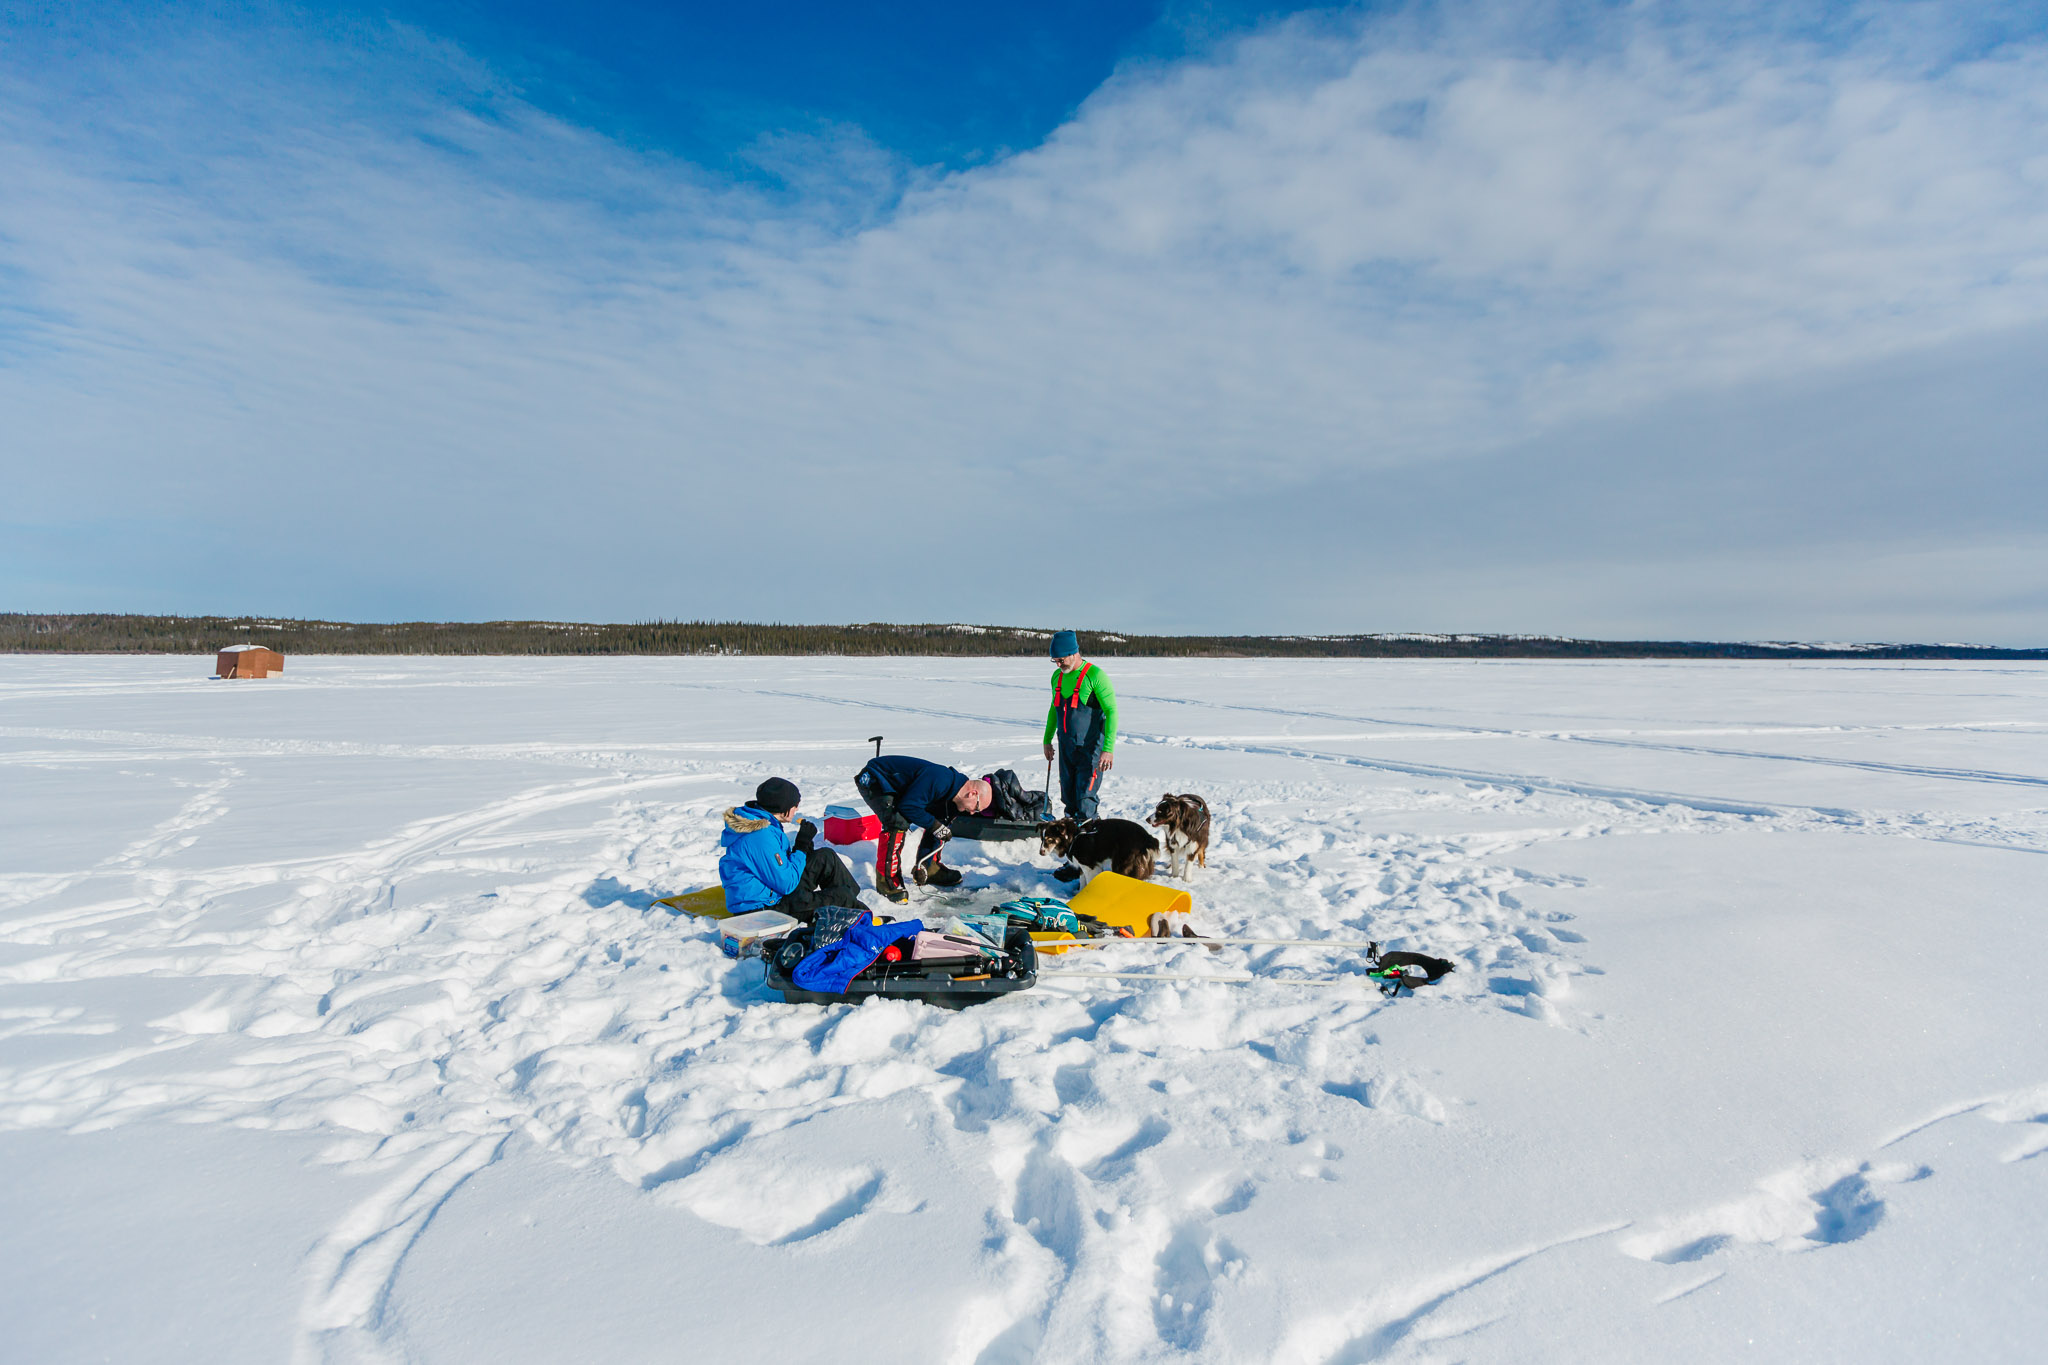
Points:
[(1080, 735)]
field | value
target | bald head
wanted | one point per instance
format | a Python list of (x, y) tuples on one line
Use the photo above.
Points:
[(974, 796)]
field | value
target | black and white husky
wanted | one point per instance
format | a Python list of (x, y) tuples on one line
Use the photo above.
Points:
[(1120, 846)]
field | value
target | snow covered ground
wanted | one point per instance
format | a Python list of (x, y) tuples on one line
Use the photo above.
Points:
[(335, 1023)]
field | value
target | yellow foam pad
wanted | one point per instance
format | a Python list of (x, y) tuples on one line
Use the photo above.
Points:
[(709, 903), (1127, 903)]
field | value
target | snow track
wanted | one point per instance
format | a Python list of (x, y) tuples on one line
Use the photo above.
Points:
[(373, 903)]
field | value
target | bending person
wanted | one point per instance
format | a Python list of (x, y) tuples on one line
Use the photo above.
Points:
[(763, 868), (906, 791)]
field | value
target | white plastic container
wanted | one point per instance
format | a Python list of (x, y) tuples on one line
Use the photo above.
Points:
[(743, 935)]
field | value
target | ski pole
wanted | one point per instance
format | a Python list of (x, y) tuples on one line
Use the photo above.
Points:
[(1152, 976), (1205, 942), (1235, 980)]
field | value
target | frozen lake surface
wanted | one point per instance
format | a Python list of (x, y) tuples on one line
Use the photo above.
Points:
[(335, 1024)]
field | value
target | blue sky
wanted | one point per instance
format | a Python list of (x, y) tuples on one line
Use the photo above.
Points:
[(1625, 320), (941, 84)]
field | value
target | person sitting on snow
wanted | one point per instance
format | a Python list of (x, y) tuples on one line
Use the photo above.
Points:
[(763, 868), (906, 791)]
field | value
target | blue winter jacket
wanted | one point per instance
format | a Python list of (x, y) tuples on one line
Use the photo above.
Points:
[(759, 866), (924, 790), (834, 966)]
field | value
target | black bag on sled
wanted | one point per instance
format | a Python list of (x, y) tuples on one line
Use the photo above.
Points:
[(1010, 801)]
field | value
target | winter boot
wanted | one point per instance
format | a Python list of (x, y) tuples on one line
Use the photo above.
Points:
[(889, 865), (932, 872), (928, 870)]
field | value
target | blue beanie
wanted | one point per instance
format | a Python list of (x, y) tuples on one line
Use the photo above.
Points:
[(1065, 642)]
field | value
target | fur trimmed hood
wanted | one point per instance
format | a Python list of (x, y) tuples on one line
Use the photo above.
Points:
[(747, 820)]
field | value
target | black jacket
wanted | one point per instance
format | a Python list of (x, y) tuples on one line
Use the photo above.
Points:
[(1009, 800)]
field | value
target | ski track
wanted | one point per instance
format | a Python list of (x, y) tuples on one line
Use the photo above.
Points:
[(1810, 1207), (497, 972), (1921, 825)]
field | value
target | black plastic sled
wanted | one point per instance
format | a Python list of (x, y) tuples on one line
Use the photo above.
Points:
[(948, 983), (991, 831)]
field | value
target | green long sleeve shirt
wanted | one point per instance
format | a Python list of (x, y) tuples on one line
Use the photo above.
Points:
[(1093, 689)]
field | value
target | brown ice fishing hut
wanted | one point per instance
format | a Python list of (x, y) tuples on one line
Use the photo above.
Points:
[(248, 661)]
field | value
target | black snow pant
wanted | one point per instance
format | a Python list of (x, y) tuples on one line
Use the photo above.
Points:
[(880, 800), (826, 881)]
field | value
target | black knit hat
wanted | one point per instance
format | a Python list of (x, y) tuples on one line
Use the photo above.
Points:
[(777, 795)]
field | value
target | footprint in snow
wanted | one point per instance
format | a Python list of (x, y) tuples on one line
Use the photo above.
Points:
[(1184, 1284), (1798, 1210)]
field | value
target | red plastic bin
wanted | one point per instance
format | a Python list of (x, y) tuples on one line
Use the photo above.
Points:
[(845, 825)]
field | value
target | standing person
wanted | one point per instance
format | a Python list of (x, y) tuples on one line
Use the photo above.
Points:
[(763, 868), (1083, 717), (905, 791)]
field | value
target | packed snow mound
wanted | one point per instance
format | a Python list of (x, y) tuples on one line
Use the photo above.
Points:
[(1708, 1069)]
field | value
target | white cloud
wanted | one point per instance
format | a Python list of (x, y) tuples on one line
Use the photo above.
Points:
[(355, 281)]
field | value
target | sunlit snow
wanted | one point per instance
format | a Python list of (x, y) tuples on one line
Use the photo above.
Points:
[(336, 1022)]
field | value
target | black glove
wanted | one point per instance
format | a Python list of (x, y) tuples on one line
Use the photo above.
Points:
[(941, 832), (806, 837)]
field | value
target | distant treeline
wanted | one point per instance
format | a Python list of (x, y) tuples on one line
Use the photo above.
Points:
[(109, 634)]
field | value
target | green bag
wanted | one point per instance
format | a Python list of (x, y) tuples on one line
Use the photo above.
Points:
[(1045, 914)]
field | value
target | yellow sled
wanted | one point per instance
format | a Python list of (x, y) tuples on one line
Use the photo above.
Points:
[(709, 903), (1126, 903)]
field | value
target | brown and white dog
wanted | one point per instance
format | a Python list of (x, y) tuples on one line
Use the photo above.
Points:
[(1122, 846), (1185, 819)]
